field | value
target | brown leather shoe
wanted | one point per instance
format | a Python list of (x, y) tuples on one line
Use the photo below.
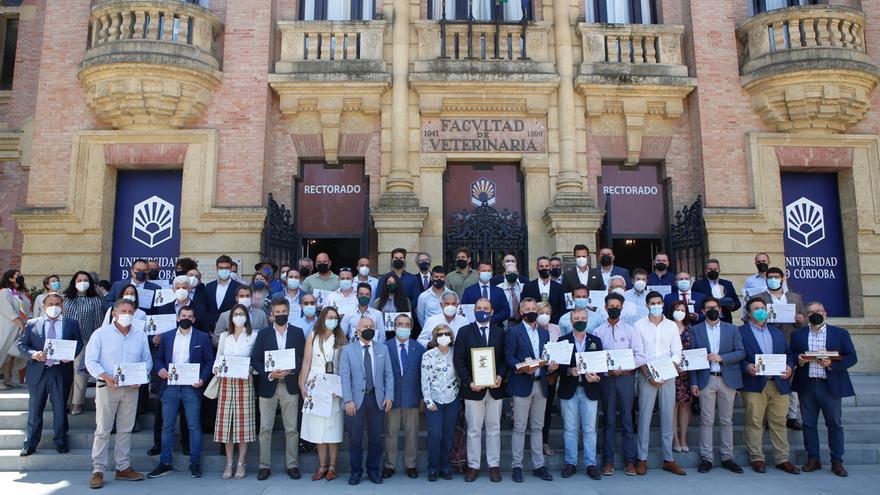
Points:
[(629, 469), (641, 467), (294, 473), (608, 469), (673, 468), (811, 465), (97, 481), (129, 474), (331, 475), (495, 474), (471, 475), (793, 424), (788, 467), (758, 467), (838, 469), (412, 473)]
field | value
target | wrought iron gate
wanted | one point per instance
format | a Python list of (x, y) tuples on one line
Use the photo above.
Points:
[(279, 233), (687, 239), (489, 234)]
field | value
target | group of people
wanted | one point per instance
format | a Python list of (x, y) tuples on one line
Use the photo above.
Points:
[(402, 345)]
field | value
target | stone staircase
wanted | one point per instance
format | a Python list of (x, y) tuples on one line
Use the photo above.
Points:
[(861, 415)]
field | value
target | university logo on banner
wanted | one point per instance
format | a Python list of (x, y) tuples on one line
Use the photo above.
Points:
[(152, 221), (805, 222)]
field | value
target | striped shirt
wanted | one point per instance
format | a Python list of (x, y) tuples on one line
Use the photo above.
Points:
[(815, 343), (87, 311)]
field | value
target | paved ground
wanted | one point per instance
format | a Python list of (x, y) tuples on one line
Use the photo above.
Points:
[(862, 480)]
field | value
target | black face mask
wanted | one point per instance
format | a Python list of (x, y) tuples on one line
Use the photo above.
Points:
[(712, 314), (153, 274), (614, 313), (712, 275), (762, 267), (605, 260), (304, 271), (185, 323), (391, 288), (461, 264), (19, 280), (555, 272), (530, 317), (511, 278), (423, 266), (368, 334), (140, 276), (179, 273), (323, 267), (544, 273), (816, 319), (281, 319), (438, 283), (398, 264), (660, 267)]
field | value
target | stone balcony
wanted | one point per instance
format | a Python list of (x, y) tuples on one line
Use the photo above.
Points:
[(806, 68), (150, 64), (633, 79)]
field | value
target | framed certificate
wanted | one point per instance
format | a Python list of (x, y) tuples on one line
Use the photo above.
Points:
[(483, 366)]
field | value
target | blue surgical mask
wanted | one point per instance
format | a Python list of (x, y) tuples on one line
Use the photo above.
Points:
[(581, 303), (485, 277), (224, 273), (345, 284), (309, 311), (482, 316), (259, 285), (760, 315), (402, 332), (656, 310), (774, 283), (55, 285), (293, 283), (683, 285)]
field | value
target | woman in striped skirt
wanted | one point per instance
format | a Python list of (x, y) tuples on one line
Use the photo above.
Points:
[(82, 303), (235, 399)]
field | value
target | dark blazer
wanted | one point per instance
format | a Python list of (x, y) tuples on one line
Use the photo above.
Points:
[(518, 347), (500, 307), (557, 298), (200, 296), (696, 299), (33, 339), (750, 345), (198, 309), (730, 349), (211, 310), (729, 303), (200, 351), (567, 383), (266, 342), (116, 291), (837, 376), (596, 281), (570, 280), (469, 337), (422, 287), (792, 298), (407, 384)]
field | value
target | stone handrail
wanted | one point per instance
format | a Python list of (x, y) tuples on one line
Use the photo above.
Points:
[(331, 40), (632, 43), (511, 44)]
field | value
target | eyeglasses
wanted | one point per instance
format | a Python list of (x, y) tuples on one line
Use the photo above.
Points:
[(444, 334)]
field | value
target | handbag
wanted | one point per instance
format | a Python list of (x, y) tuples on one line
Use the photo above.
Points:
[(212, 391)]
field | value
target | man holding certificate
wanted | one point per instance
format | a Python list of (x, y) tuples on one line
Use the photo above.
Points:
[(47, 377), (479, 361), (111, 348), (186, 346), (278, 386), (765, 392)]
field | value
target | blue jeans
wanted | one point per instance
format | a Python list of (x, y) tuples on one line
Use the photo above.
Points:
[(814, 399), (441, 430), (579, 412), (192, 405)]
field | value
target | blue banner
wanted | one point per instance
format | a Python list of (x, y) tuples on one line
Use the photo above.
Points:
[(147, 221), (814, 256)]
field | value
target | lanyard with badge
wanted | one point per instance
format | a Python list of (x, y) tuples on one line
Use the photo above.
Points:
[(328, 365)]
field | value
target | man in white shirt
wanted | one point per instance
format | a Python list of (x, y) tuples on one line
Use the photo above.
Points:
[(580, 275), (512, 288), (659, 339), (344, 299), (617, 285), (449, 316), (363, 310), (639, 291), (423, 260), (364, 277), (292, 292), (429, 300)]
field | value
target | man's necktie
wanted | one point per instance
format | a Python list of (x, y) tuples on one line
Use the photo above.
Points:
[(51, 335), (485, 337), (486, 292), (424, 282), (514, 304), (368, 369), (684, 297), (404, 358)]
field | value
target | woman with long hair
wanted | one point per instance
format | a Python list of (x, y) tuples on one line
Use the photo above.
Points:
[(83, 304), (13, 315), (391, 297), (678, 312)]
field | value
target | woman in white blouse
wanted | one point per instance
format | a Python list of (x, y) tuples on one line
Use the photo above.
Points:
[(129, 293), (235, 398), (440, 392)]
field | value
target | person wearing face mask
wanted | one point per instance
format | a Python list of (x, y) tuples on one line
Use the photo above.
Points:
[(368, 394), (718, 384), (512, 286), (257, 317), (139, 271), (268, 268), (660, 275), (683, 291), (681, 416), (616, 285), (423, 261), (344, 298), (556, 269), (511, 265), (757, 283), (82, 303), (47, 378), (601, 275), (777, 293), (713, 285), (198, 293), (822, 383), (409, 283), (110, 345), (182, 289), (390, 299), (153, 271), (449, 315), (261, 297), (429, 300), (306, 266), (323, 278), (15, 308), (309, 307), (440, 391), (364, 277), (765, 397), (484, 288), (580, 274), (639, 291), (129, 293), (186, 345), (406, 355), (580, 300), (292, 281), (362, 309), (545, 289), (660, 338), (464, 276), (52, 283), (220, 293), (617, 387)]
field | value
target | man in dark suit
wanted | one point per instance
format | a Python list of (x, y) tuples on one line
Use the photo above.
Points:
[(48, 378), (682, 291), (580, 274), (507, 262), (821, 383), (763, 396), (186, 345), (528, 386), (139, 271), (718, 384), (484, 288), (711, 284), (599, 276), (220, 293), (544, 289), (279, 387), (482, 405), (406, 359)]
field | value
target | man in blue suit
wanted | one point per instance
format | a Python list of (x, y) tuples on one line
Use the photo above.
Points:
[(406, 359), (599, 276), (821, 383), (765, 396), (494, 294), (528, 386), (712, 283), (139, 270), (220, 293), (46, 377), (718, 384), (368, 394), (544, 289), (682, 291), (186, 345)]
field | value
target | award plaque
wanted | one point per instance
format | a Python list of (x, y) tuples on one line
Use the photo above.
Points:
[(483, 366)]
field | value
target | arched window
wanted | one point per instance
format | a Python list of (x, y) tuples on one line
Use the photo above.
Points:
[(622, 11), (336, 10), (758, 6), (482, 10)]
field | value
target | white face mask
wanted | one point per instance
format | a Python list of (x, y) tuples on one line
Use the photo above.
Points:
[(364, 271), (239, 320), (450, 310), (53, 311), (345, 284), (124, 319), (82, 285), (582, 261), (618, 290), (640, 285), (543, 319), (129, 298), (193, 281), (181, 294), (444, 340), (245, 301), (331, 323), (678, 315)]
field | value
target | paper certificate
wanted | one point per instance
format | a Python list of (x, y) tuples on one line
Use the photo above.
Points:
[(318, 405), (694, 359), (569, 300), (558, 352), (163, 297), (664, 290), (127, 374), (662, 369), (329, 384), (321, 296), (160, 324), (771, 364), (390, 317), (282, 360), (234, 366), (483, 366), (60, 350), (592, 362), (145, 298), (597, 298), (183, 373), (467, 311), (780, 313), (621, 360)]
